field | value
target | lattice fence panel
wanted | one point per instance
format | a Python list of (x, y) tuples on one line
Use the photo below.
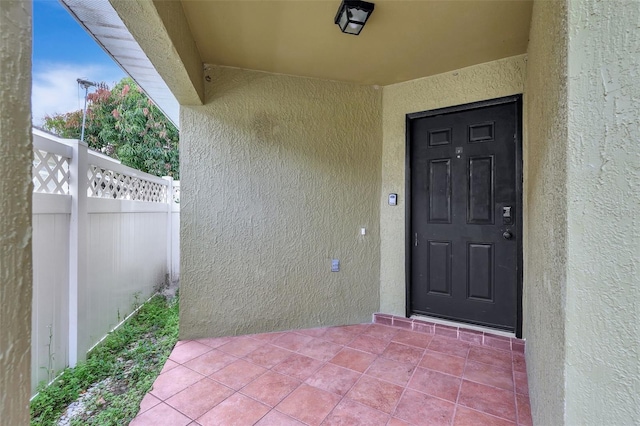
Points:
[(50, 173), (104, 183), (176, 194)]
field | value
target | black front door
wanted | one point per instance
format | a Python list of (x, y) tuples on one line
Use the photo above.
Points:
[(465, 209)]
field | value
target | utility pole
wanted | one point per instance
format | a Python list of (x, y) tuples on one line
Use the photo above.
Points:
[(86, 84)]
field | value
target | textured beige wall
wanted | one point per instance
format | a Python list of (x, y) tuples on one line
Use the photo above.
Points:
[(480, 82), (15, 205), (603, 194), (545, 204), (279, 174)]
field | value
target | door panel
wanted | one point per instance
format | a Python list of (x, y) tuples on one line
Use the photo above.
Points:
[(463, 172), (480, 191), (439, 258), (480, 272), (440, 193)]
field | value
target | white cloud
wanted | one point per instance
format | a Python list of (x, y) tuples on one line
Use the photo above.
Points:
[(55, 89)]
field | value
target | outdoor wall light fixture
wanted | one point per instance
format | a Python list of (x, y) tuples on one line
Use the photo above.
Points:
[(352, 15)]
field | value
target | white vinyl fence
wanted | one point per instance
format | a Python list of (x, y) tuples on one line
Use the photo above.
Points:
[(105, 237)]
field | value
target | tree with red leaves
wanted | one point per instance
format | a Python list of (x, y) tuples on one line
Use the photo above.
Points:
[(125, 124)]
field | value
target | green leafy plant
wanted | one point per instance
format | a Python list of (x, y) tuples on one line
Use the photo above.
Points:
[(117, 373), (124, 123)]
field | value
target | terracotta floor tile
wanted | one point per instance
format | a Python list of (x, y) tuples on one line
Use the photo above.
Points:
[(308, 404), (268, 355), (519, 363), (436, 384), (397, 422), (446, 331), (490, 356), (443, 363), (188, 351), (382, 396), (348, 412), (241, 346), (271, 388), (524, 410), (424, 327), (382, 332), (199, 398), (384, 376), (517, 346), (161, 415), (471, 336), (235, 410), (353, 359), (276, 418), (298, 366), (498, 342), (369, 344), (168, 366), (173, 381), (489, 375), (405, 323), (468, 417), (147, 402), (238, 374), (522, 384), (391, 371), (490, 400), (210, 362), (320, 349), (384, 319), (356, 329), (292, 341), (420, 409), (412, 338), (314, 332), (403, 353), (214, 342), (449, 346), (266, 337), (333, 378), (340, 335)]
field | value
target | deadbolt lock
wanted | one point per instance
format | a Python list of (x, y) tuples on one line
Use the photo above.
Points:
[(507, 218)]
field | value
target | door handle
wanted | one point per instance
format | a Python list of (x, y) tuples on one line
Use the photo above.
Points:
[(415, 241), (507, 235)]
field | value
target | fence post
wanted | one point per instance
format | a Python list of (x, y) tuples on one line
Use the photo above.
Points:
[(169, 180), (78, 336)]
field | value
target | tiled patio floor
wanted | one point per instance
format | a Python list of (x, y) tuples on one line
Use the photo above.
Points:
[(368, 374)]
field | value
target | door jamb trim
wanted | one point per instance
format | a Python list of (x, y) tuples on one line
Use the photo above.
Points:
[(517, 99)]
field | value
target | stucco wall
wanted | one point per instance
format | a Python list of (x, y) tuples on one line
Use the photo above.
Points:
[(15, 205), (603, 194), (480, 82), (545, 204), (279, 174)]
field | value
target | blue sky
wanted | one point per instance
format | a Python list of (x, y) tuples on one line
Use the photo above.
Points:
[(63, 52)]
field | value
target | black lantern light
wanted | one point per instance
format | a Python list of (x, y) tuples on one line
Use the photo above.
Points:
[(352, 15)]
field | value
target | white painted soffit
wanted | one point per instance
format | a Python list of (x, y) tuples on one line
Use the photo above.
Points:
[(102, 22)]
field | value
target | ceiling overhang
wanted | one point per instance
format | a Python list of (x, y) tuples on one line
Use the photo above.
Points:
[(163, 44), (160, 56)]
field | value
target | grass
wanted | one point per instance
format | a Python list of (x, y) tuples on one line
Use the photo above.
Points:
[(117, 373)]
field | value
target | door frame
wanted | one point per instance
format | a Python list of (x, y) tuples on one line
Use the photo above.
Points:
[(517, 99)]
